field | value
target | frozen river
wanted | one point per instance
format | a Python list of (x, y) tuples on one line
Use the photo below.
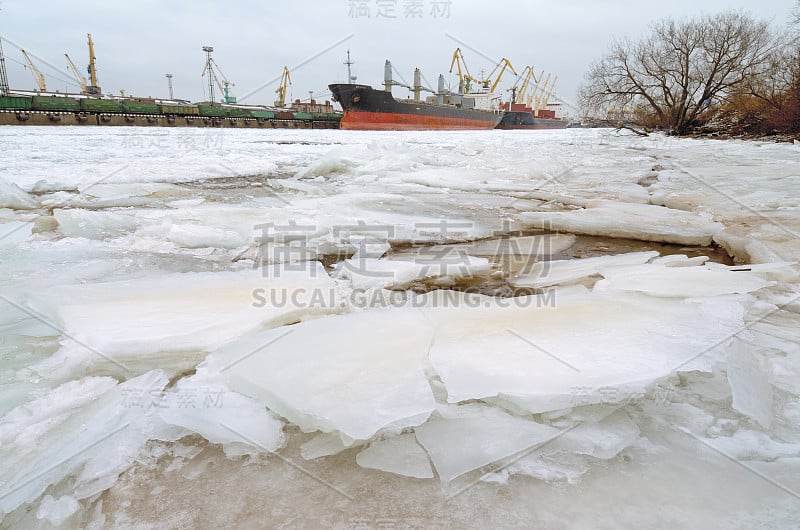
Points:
[(330, 329)]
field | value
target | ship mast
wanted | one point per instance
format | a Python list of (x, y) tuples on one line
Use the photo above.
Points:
[(349, 63)]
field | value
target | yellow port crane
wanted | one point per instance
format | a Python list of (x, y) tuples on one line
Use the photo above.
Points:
[(502, 65), (549, 94), (37, 75), (538, 92), (286, 80), (92, 88), (465, 78), (519, 92), (77, 75), (544, 98)]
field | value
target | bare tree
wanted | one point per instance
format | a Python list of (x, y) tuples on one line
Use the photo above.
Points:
[(674, 77), (777, 77)]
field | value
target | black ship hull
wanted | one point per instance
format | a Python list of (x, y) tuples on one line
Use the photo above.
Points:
[(368, 109)]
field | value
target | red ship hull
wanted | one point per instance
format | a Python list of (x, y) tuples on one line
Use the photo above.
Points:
[(383, 121), (366, 109)]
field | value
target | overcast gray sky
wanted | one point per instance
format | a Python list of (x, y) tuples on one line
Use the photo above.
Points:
[(138, 42)]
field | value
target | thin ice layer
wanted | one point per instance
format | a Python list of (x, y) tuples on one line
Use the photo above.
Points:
[(323, 444), (475, 436), (401, 455)]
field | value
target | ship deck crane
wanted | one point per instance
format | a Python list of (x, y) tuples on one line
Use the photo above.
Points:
[(37, 75), (418, 87), (82, 83), (286, 80), (211, 68)]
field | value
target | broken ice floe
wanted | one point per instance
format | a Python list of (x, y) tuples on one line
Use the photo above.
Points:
[(682, 282), (371, 377), (124, 327), (401, 455), (398, 273), (81, 429), (473, 436), (645, 222), (564, 272), (368, 372), (741, 397), (14, 197)]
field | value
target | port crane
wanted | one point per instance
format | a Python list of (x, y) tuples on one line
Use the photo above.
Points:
[(82, 83), (37, 75), (92, 88), (503, 65), (538, 92), (286, 80), (546, 100), (466, 79), (88, 87), (541, 95), (519, 92), (211, 68)]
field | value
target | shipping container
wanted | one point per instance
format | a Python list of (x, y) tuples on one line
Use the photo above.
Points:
[(55, 103), (179, 110), (100, 105), (213, 112), (302, 116), (263, 114), (284, 115), (140, 107), (21, 103), (239, 113), (327, 116)]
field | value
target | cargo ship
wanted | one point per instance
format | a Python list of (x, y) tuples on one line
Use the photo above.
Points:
[(520, 116), (368, 109)]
